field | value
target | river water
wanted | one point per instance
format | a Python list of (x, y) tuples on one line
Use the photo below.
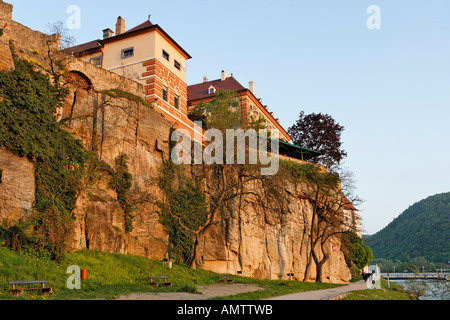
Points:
[(433, 289)]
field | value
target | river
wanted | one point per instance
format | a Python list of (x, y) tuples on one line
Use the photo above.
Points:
[(433, 289)]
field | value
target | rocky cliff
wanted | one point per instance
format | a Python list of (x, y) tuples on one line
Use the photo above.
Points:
[(262, 241), (111, 126), (267, 237)]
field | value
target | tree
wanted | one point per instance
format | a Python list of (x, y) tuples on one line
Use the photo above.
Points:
[(322, 133), (221, 113), (328, 193), (66, 40), (219, 182), (182, 211), (357, 254)]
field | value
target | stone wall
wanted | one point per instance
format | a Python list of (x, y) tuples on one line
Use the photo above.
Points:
[(39, 47), (33, 45), (102, 79)]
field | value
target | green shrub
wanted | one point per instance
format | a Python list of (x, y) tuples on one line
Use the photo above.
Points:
[(121, 182), (356, 253), (117, 93), (183, 212)]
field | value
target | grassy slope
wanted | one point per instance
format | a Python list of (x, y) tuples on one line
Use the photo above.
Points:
[(112, 275), (394, 292)]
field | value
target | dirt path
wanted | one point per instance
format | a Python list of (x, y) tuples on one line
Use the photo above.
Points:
[(207, 292)]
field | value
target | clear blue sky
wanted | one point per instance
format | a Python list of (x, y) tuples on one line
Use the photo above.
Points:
[(389, 88)]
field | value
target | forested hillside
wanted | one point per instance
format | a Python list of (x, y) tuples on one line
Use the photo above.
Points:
[(422, 230)]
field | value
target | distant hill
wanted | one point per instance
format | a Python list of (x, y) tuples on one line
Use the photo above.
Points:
[(422, 230)]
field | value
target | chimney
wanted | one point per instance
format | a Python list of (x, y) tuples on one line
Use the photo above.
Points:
[(107, 33), (205, 79), (120, 26), (251, 87), (223, 76)]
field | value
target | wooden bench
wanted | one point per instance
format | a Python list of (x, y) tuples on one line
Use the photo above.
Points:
[(19, 291), (156, 284), (225, 278)]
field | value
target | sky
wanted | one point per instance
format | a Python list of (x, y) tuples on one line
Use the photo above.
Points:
[(388, 86)]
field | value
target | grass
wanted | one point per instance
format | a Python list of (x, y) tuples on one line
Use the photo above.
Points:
[(112, 275), (394, 292)]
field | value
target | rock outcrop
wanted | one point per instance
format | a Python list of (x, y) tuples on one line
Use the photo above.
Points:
[(6, 61), (110, 126), (16, 187), (267, 239)]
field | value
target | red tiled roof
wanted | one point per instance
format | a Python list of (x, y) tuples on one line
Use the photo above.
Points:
[(200, 91), (83, 47), (143, 25)]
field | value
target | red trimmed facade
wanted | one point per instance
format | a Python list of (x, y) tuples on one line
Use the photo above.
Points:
[(154, 59)]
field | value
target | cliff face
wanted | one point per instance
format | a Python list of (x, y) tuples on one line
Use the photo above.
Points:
[(260, 240), (6, 62), (16, 186), (110, 126), (267, 238)]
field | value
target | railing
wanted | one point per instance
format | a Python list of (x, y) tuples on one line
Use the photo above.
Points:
[(413, 276)]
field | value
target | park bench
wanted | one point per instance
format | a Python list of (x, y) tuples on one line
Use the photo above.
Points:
[(19, 291), (156, 284), (225, 278)]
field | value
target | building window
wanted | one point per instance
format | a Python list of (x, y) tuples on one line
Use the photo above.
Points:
[(96, 61), (211, 90), (176, 100), (165, 55), (177, 65), (126, 53), (165, 93)]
